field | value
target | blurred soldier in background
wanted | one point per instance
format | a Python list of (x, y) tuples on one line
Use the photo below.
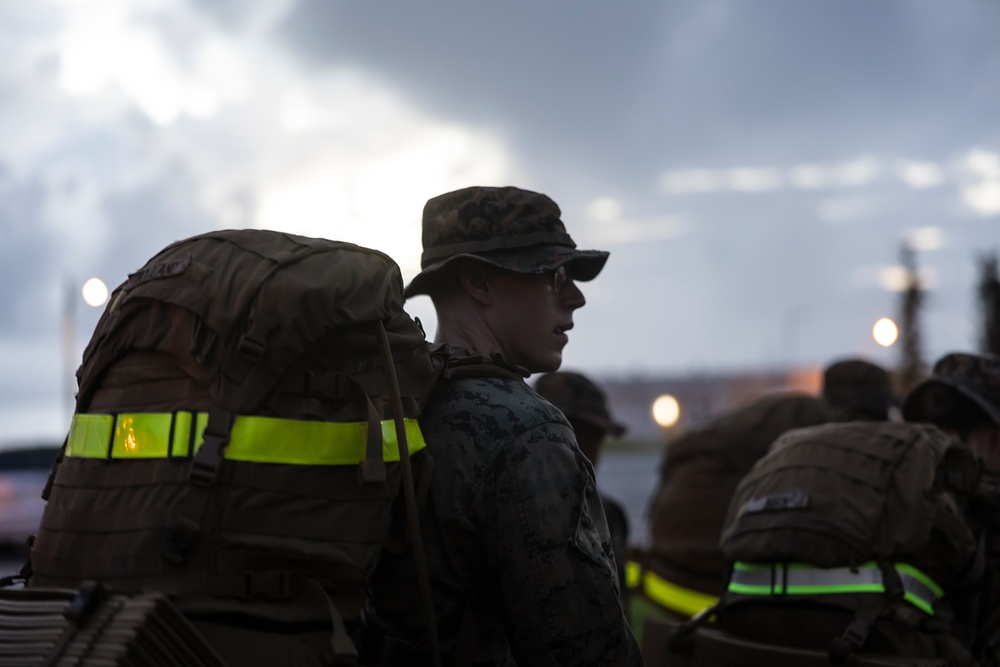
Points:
[(586, 408), (864, 543), (683, 571), (962, 398)]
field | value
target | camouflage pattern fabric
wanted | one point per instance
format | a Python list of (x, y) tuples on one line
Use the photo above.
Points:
[(977, 609), (514, 532), (511, 228), (483, 215), (975, 376)]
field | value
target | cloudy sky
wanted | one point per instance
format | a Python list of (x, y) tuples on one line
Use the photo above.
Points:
[(753, 167)]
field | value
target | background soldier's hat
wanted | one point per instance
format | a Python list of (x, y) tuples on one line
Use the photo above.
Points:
[(977, 377), (859, 385), (579, 399), (508, 227)]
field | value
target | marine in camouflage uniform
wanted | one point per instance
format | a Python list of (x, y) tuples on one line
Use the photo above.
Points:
[(586, 407), (521, 563), (962, 398)]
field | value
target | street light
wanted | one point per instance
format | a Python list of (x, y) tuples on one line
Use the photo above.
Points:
[(95, 292), (666, 410), (885, 332)]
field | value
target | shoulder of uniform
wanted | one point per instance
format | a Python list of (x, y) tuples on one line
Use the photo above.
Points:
[(459, 363), (493, 402)]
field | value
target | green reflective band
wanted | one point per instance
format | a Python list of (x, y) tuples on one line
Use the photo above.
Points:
[(910, 571), (801, 579), (313, 443), (90, 435), (666, 593), (141, 436), (255, 439)]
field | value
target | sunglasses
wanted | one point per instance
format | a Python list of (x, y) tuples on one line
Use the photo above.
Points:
[(559, 279)]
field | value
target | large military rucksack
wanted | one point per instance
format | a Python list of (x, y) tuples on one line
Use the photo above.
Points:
[(246, 410), (698, 476), (852, 535)]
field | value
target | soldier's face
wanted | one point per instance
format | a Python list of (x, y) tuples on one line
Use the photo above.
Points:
[(531, 316)]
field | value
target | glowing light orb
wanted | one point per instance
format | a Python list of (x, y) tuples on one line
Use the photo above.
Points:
[(666, 410), (885, 332), (95, 292)]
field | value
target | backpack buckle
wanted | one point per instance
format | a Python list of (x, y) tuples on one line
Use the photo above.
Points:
[(853, 638), (207, 460), (251, 349), (205, 468), (88, 597)]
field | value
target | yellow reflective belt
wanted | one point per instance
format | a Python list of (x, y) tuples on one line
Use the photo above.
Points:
[(666, 593), (633, 574), (256, 439)]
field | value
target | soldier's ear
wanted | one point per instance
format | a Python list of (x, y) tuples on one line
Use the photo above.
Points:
[(476, 280)]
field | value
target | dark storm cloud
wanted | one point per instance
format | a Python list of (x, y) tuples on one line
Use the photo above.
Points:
[(534, 69), (26, 259), (702, 83), (148, 219)]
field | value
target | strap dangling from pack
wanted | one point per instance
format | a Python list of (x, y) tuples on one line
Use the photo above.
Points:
[(372, 469), (853, 638), (409, 495), (341, 650), (202, 478), (55, 467)]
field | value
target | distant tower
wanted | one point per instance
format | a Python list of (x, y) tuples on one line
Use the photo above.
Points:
[(989, 304), (911, 365)]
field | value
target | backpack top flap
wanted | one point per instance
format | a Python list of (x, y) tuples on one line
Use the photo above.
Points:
[(843, 494), (739, 438), (239, 309)]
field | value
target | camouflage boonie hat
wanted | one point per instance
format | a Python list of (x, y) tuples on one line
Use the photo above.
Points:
[(507, 227), (579, 399), (859, 385), (977, 377)]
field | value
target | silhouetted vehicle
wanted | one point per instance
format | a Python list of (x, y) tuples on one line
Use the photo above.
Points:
[(23, 472)]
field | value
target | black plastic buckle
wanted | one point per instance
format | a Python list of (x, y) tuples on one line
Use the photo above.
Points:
[(88, 597), (853, 638), (205, 466), (857, 632), (252, 349)]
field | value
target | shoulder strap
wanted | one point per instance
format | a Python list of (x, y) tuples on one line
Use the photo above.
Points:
[(409, 496), (461, 364)]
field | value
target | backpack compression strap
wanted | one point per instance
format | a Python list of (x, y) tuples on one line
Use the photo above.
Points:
[(409, 495), (461, 364)]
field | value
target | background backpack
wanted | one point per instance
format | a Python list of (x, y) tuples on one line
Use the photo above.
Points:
[(237, 438), (698, 476), (861, 516), (844, 494)]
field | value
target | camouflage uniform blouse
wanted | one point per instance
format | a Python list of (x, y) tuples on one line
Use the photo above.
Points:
[(515, 532)]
